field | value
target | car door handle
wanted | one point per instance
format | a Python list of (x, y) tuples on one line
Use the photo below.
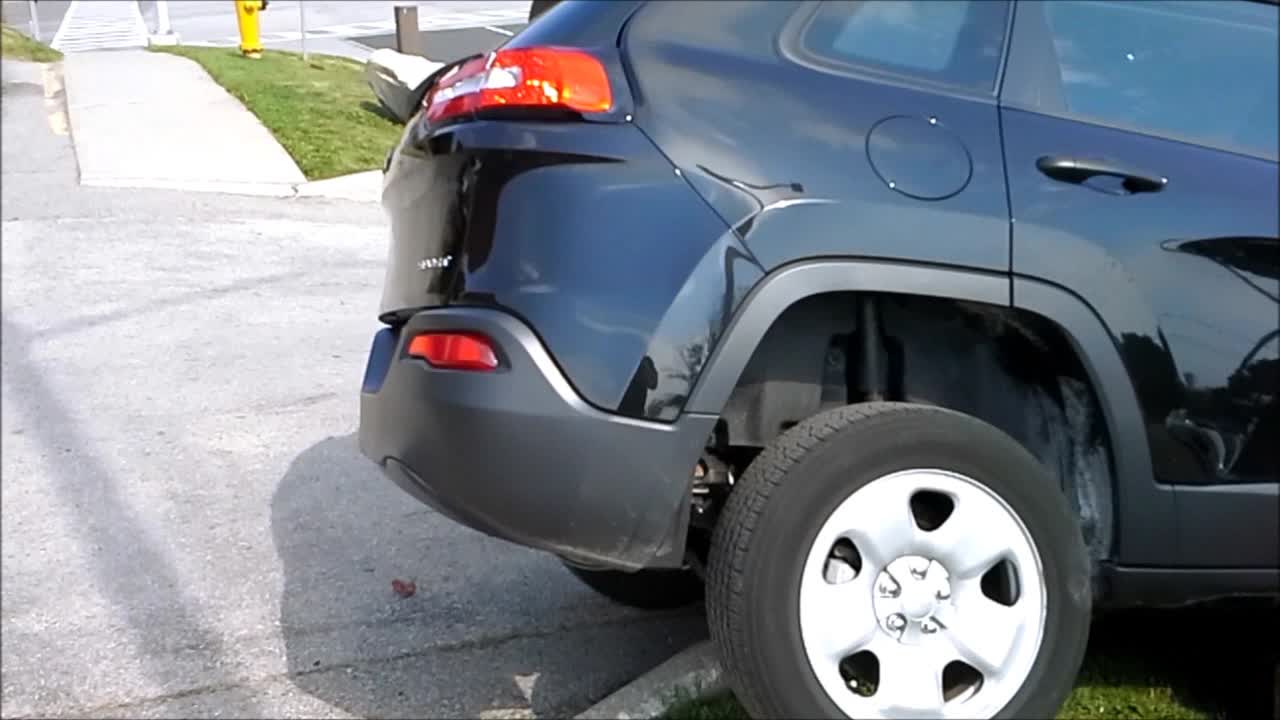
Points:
[(1077, 170)]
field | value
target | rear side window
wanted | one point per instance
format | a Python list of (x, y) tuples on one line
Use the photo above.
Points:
[(955, 43), (1198, 71)]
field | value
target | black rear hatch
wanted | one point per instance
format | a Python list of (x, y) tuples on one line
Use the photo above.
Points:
[(443, 181)]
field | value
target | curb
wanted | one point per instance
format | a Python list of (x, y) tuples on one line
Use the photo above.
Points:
[(361, 187), (278, 190), (357, 187), (690, 674)]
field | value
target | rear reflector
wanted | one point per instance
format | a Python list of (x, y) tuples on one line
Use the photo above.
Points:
[(523, 77), (455, 351)]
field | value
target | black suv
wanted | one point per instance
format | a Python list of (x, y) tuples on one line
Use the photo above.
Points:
[(918, 329)]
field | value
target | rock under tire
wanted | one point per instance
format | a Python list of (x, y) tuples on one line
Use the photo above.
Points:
[(762, 539)]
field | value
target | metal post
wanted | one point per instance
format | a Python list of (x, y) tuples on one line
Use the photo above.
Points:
[(302, 27), (408, 39), (162, 18), (35, 19)]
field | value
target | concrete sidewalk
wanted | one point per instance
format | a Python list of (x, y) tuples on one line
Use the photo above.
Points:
[(143, 119)]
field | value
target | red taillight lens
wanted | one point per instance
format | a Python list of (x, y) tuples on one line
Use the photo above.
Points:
[(455, 351), (522, 77)]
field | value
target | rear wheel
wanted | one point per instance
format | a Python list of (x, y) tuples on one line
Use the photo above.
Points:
[(644, 589), (896, 560)]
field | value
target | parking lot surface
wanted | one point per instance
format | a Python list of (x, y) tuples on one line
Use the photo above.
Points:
[(188, 528)]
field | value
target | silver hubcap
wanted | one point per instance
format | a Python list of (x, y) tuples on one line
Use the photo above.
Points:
[(922, 596)]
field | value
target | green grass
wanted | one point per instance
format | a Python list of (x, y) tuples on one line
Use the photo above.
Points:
[(1194, 664), (722, 706), (322, 111), (17, 46)]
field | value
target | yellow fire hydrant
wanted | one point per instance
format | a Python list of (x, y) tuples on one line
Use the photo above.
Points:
[(247, 19)]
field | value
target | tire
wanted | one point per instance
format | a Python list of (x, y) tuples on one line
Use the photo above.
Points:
[(774, 530), (645, 589)]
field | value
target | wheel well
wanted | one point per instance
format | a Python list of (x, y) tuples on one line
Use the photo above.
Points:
[(1008, 367)]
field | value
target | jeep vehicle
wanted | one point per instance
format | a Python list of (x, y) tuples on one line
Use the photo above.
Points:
[(914, 332)]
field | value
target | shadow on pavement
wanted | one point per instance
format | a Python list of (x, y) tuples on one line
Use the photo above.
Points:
[(492, 628), (132, 568), (1220, 660)]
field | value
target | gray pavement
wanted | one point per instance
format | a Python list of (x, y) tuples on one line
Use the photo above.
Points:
[(144, 119), (692, 673), (187, 527), (187, 133), (448, 45)]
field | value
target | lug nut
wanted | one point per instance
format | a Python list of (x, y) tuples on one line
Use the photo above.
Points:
[(928, 627), (896, 622), (888, 588)]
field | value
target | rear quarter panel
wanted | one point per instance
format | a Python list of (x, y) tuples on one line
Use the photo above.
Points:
[(780, 149), (583, 230)]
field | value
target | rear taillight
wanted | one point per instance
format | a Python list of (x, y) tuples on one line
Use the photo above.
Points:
[(455, 350), (552, 78)]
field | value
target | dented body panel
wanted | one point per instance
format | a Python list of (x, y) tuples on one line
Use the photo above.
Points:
[(680, 276)]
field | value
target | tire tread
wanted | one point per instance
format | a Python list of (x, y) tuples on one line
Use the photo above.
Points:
[(741, 513)]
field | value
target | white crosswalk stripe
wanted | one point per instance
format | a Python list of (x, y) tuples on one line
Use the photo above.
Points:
[(100, 25), (426, 22)]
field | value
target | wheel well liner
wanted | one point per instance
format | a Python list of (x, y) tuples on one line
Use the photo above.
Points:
[(792, 283), (1147, 541)]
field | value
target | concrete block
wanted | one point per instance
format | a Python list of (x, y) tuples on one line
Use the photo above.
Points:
[(396, 80)]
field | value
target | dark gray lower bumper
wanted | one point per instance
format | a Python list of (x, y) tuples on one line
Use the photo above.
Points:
[(517, 454)]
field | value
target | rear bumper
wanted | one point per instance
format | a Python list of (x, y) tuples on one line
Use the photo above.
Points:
[(517, 454)]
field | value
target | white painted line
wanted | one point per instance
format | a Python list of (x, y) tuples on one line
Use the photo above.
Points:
[(487, 19), (101, 24), (137, 14)]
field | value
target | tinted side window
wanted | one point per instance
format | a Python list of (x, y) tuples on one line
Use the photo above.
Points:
[(1201, 71), (957, 42)]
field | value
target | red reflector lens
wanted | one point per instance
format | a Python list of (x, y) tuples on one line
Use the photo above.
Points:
[(523, 77), (455, 351)]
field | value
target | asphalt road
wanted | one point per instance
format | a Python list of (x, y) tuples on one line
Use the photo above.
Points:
[(334, 26), (188, 528), (338, 22), (49, 12), (449, 45)]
